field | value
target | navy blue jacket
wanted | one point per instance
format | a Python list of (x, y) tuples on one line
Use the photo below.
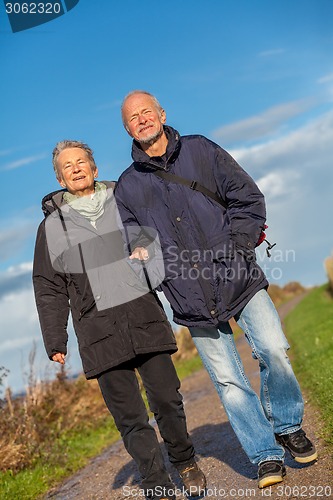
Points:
[(209, 251)]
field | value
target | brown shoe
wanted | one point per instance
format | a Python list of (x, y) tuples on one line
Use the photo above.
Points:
[(194, 479)]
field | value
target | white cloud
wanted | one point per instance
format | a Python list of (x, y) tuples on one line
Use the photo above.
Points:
[(307, 148), (262, 125), (5, 152), (15, 233), (20, 332), (23, 161), (272, 52), (18, 343), (325, 79), (20, 269), (109, 105), (15, 279), (18, 329), (279, 183)]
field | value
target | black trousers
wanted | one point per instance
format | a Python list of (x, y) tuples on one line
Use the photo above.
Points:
[(122, 396)]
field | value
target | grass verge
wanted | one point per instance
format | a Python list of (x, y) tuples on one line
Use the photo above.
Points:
[(310, 332), (69, 454), (71, 451)]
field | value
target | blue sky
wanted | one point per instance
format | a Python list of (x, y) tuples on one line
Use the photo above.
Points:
[(254, 76)]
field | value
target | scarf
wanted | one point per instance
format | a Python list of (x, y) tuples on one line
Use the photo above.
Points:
[(91, 207)]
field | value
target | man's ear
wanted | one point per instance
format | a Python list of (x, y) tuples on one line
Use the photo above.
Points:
[(163, 116)]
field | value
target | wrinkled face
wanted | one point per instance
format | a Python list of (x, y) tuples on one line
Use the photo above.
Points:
[(76, 174), (143, 121)]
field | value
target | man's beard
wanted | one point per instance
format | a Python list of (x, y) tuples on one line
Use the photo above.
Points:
[(150, 140)]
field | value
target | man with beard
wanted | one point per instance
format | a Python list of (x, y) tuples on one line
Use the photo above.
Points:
[(210, 215)]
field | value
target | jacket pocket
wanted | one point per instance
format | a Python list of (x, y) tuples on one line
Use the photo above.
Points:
[(95, 329), (222, 249), (244, 247)]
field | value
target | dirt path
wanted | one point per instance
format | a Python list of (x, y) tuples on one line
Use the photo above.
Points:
[(113, 475)]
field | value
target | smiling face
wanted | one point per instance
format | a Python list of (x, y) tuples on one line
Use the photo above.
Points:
[(142, 119), (75, 171)]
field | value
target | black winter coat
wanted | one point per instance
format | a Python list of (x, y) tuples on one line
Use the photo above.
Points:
[(62, 276), (209, 251)]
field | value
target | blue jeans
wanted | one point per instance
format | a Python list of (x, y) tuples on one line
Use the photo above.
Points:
[(280, 407)]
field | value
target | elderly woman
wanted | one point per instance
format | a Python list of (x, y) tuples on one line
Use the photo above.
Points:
[(80, 266)]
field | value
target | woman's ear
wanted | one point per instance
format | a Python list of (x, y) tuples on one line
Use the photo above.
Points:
[(61, 182)]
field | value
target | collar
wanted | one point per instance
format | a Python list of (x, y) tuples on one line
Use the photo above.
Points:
[(142, 159), (51, 201)]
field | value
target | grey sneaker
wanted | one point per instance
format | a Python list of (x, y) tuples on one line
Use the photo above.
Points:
[(299, 446)]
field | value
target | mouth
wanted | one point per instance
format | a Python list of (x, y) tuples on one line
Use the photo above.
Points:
[(146, 127), (79, 178)]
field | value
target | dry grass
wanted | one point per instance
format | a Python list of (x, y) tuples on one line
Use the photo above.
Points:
[(186, 347), (282, 294), (31, 425)]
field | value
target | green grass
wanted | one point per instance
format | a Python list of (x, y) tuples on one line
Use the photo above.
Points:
[(309, 329), (69, 454), (185, 368)]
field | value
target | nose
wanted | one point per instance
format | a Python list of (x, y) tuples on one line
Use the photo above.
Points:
[(76, 167), (142, 119)]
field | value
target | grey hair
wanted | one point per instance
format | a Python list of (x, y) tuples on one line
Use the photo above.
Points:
[(134, 92), (66, 144)]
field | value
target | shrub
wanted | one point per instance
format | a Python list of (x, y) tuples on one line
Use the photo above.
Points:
[(328, 264)]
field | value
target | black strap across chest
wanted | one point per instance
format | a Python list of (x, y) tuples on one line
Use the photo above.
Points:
[(202, 189), (191, 184)]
